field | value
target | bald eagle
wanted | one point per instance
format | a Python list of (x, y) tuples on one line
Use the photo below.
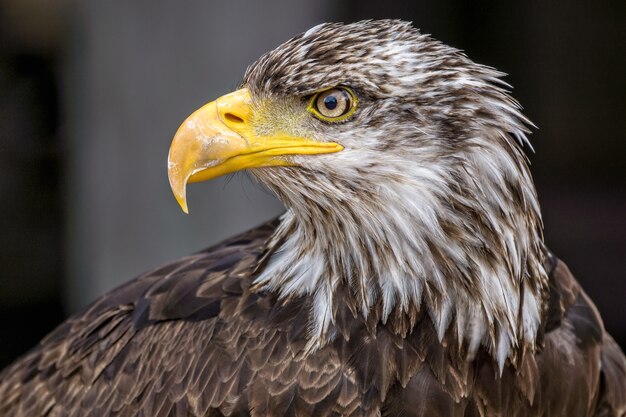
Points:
[(407, 277)]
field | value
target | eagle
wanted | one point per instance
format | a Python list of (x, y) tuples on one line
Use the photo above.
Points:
[(408, 275)]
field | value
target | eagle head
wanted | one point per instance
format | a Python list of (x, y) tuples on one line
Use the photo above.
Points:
[(399, 161)]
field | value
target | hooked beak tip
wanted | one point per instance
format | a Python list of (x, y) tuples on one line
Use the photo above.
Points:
[(183, 205), (178, 184)]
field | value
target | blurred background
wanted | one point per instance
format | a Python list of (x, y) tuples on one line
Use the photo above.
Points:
[(91, 94)]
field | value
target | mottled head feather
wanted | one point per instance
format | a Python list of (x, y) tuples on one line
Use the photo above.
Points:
[(430, 205)]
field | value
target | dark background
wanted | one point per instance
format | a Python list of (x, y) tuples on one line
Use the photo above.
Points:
[(91, 93)]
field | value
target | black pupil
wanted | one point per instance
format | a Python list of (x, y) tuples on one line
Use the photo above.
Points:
[(330, 102)]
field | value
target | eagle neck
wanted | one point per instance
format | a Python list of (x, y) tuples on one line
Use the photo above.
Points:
[(472, 265)]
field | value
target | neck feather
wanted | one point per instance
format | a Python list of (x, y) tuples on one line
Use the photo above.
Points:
[(462, 242)]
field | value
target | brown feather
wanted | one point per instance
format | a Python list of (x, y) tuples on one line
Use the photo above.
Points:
[(483, 321), (223, 349)]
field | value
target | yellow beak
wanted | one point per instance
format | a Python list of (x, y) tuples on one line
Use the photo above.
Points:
[(218, 139)]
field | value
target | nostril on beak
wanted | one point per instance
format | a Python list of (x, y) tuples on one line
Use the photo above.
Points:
[(232, 118)]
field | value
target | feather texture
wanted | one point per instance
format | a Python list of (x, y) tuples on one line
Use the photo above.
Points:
[(193, 339), (408, 276)]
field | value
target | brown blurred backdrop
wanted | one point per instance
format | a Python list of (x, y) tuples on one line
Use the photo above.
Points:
[(92, 92)]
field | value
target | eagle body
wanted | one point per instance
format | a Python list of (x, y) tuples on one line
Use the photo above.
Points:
[(408, 276)]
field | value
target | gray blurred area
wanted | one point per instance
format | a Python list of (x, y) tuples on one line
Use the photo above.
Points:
[(136, 70), (91, 93)]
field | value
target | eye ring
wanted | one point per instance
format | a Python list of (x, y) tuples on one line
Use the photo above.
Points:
[(334, 104)]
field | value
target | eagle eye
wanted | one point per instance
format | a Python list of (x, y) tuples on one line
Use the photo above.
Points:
[(334, 104)]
